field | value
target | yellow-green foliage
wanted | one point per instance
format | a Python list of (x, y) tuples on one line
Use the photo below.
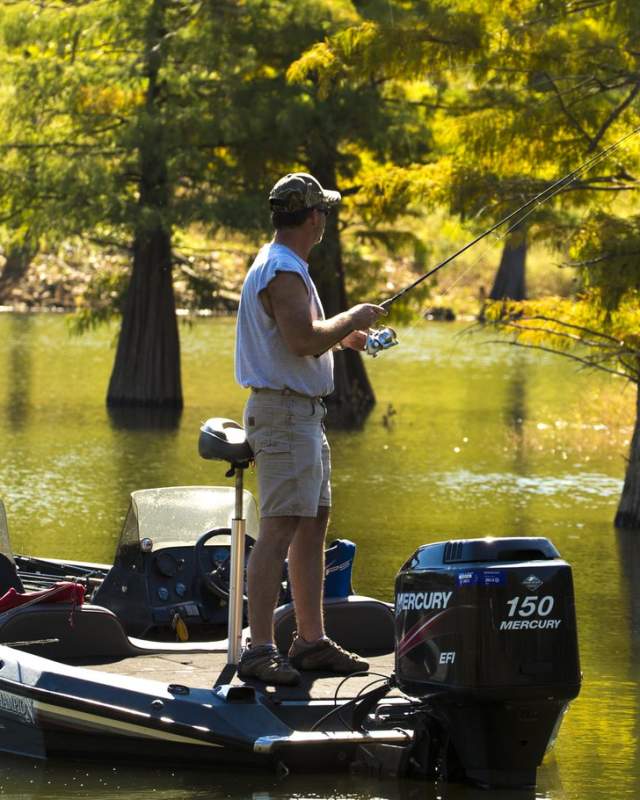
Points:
[(579, 328), (102, 300), (419, 110), (410, 42), (607, 250), (388, 191)]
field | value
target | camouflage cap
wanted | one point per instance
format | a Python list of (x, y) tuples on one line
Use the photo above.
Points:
[(299, 190)]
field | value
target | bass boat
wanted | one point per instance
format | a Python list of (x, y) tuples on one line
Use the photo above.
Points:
[(471, 669)]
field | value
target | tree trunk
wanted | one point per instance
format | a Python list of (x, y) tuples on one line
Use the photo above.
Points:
[(146, 371), (353, 398), (628, 514), (509, 282), (19, 257)]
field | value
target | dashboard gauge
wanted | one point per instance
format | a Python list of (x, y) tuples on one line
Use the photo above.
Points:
[(219, 554), (166, 564)]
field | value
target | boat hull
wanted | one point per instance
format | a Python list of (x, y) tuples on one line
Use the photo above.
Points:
[(48, 709)]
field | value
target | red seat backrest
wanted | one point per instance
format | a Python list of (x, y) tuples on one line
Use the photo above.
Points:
[(63, 592)]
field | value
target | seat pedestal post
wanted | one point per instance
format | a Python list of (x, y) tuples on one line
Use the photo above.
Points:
[(236, 582)]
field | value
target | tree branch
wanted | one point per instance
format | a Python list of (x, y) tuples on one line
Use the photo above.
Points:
[(606, 345), (585, 185), (585, 362), (591, 262), (565, 110), (576, 8), (106, 242), (62, 145), (589, 331), (615, 113)]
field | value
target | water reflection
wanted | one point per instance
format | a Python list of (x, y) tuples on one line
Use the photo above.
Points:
[(145, 419), (515, 416), (629, 554), (515, 407), (19, 370), (144, 451), (44, 781)]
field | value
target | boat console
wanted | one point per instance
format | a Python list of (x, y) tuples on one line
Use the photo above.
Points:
[(171, 570)]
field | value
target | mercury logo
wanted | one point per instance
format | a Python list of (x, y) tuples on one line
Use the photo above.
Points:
[(421, 601), (532, 583)]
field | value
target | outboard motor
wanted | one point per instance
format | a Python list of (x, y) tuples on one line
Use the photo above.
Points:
[(486, 634)]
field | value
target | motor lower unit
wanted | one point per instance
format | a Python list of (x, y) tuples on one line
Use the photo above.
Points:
[(486, 635)]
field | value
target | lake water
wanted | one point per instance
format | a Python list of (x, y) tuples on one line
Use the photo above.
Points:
[(467, 439)]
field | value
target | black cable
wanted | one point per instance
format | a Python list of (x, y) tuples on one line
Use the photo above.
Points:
[(338, 709), (371, 683), (359, 697), (356, 674)]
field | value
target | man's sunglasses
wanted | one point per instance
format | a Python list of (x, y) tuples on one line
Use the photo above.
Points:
[(323, 210)]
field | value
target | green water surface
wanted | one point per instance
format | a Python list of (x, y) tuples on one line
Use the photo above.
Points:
[(467, 439)]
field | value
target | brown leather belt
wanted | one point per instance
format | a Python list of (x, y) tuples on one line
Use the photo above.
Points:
[(285, 393)]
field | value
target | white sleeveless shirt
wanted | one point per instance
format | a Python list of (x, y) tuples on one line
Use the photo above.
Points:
[(262, 358)]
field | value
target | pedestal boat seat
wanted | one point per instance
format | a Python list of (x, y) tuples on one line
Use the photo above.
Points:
[(224, 440)]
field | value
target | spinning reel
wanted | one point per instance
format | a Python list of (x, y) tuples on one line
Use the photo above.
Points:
[(380, 339)]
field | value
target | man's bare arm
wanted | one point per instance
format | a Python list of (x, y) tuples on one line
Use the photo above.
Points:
[(304, 336)]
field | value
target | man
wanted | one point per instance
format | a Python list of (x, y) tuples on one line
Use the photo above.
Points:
[(284, 354)]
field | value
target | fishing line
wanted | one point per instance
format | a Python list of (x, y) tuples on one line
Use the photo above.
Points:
[(496, 239), (445, 291), (532, 204), (603, 155)]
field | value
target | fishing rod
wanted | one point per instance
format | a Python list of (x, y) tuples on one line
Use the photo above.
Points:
[(385, 337), (539, 198)]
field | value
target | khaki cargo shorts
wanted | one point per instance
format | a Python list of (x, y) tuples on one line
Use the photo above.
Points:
[(293, 459)]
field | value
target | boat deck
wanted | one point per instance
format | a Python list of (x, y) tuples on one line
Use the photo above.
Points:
[(205, 670)]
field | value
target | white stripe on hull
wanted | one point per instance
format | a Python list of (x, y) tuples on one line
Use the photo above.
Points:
[(81, 721)]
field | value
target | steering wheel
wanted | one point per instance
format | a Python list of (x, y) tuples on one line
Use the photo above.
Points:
[(216, 581)]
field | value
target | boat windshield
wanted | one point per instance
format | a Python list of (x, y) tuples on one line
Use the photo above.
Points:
[(179, 515), (5, 544)]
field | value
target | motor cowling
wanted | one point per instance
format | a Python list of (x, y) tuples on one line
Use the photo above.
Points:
[(486, 632)]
